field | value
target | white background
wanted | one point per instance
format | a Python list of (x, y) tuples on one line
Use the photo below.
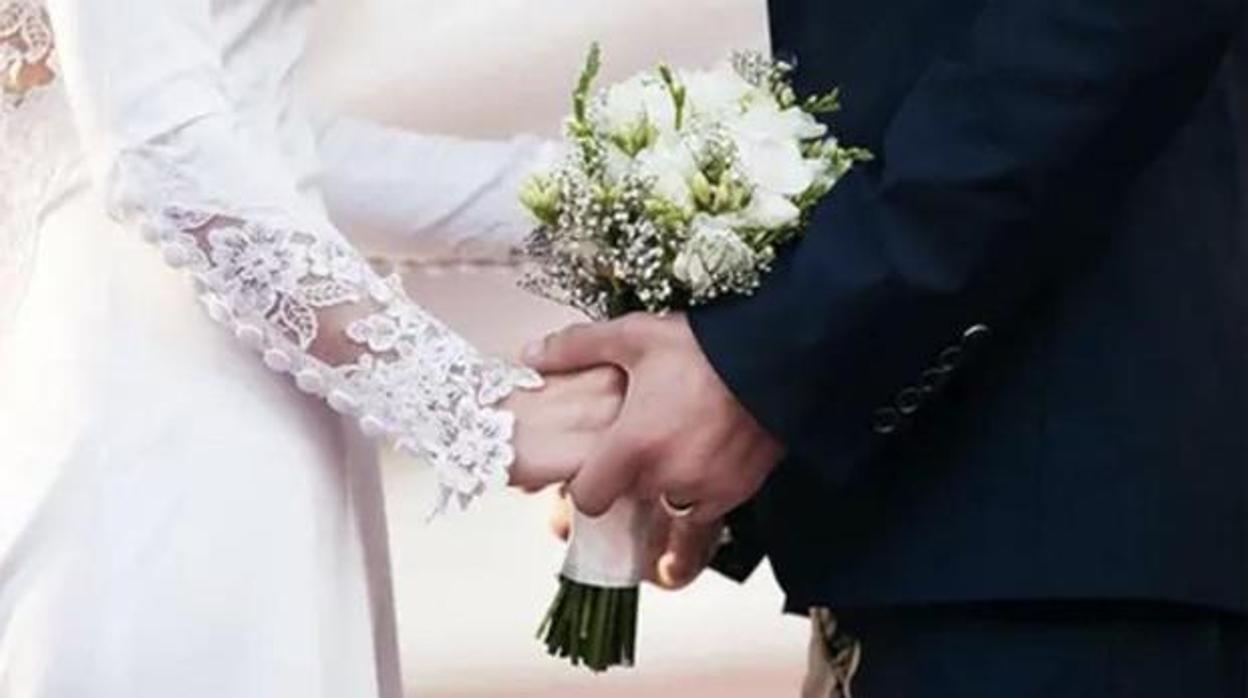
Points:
[(472, 590)]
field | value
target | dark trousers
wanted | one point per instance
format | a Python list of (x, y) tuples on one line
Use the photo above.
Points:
[(1066, 650)]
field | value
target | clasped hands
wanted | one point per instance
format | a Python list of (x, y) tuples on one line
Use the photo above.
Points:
[(632, 407)]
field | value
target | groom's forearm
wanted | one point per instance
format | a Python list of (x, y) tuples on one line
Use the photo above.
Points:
[(1044, 109)]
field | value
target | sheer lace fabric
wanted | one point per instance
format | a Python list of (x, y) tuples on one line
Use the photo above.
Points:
[(401, 372), (312, 307)]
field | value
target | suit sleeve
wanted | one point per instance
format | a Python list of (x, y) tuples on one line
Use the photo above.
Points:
[(1040, 111)]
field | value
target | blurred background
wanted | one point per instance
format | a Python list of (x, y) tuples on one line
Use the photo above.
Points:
[(471, 590)]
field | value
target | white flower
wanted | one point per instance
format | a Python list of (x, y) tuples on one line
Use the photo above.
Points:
[(765, 119), (769, 142), (617, 163), (720, 93), (627, 105), (672, 165), (713, 256), (769, 211), (774, 165)]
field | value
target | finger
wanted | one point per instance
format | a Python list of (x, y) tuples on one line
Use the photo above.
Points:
[(708, 512), (583, 413), (599, 380), (561, 517), (690, 547), (578, 347), (543, 460), (656, 543), (607, 474)]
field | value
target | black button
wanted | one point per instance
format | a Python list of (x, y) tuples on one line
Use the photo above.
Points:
[(909, 401), (933, 380), (975, 335), (949, 359), (886, 421)]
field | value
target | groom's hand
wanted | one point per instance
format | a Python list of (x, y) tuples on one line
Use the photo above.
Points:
[(680, 434)]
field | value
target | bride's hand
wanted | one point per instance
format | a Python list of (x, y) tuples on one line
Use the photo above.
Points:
[(558, 425)]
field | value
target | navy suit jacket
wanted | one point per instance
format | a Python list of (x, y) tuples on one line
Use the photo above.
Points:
[(1010, 358)]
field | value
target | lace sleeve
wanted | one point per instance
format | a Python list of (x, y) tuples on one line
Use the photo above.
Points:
[(183, 168), (314, 309)]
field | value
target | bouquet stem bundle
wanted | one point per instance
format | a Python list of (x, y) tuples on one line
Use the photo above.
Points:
[(593, 620), (593, 626)]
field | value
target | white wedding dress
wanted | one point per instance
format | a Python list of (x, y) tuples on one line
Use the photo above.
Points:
[(183, 511)]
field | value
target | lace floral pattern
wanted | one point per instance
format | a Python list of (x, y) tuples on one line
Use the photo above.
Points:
[(412, 378), (26, 55)]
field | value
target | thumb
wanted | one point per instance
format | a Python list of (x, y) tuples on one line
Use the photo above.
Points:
[(689, 549), (578, 347)]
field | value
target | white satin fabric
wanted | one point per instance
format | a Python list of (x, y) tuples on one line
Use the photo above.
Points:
[(175, 518)]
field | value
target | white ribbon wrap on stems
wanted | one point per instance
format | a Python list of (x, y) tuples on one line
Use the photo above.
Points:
[(610, 551)]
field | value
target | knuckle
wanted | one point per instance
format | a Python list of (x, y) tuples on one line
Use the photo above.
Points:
[(633, 321), (556, 341), (650, 447), (737, 491), (595, 508), (648, 488), (589, 503), (629, 330), (684, 487), (569, 335)]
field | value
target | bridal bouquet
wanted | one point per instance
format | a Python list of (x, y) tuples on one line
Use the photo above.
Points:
[(677, 188)]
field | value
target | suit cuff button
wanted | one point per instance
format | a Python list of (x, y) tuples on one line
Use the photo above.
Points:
[(886, 421), (909, 401), (975, 335), (949, 359), (933, 381)]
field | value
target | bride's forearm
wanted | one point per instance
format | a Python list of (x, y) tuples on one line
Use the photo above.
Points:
[(399, 193)]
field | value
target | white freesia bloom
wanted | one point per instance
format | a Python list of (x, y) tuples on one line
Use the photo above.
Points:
[(626, 105), (765, 119), (774, 165), (720, 93), (672, 165), (713, 255), (769, 211), (617, 162)]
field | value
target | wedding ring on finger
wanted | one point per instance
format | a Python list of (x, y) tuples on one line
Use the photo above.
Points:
[(682, 511)]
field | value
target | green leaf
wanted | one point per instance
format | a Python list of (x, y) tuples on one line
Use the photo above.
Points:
[(580, 98), (541, 198), (679, 93), (829, 103)]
